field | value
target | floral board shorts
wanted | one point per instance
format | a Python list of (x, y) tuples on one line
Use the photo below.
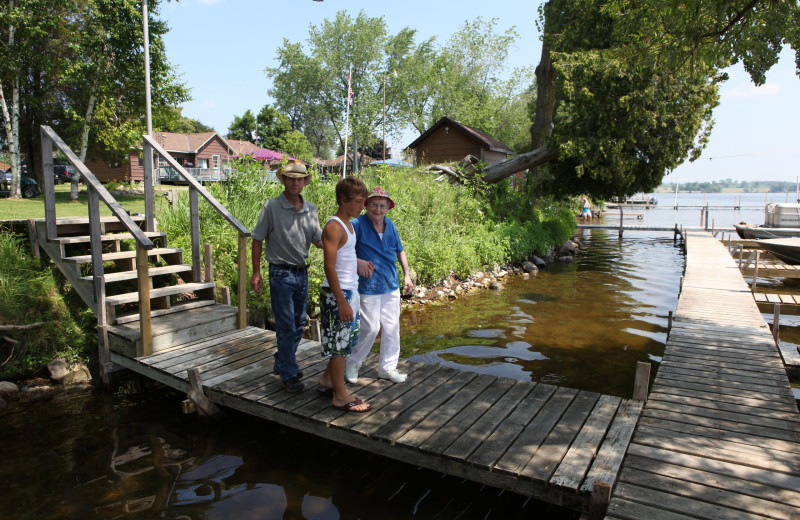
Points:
[(338, 337)]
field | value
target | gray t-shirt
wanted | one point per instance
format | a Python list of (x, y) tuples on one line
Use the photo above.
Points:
[(287, 232)]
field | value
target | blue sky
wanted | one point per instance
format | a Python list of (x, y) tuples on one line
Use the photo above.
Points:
[(221, 48)]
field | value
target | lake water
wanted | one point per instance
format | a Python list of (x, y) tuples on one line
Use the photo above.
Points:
[(134, 455)]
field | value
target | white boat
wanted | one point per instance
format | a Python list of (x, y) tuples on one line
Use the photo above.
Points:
[(780, 221)]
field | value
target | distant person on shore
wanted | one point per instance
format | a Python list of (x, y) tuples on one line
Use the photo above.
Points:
[(586, 210), (379, 242), (339, 299), (289, 224)]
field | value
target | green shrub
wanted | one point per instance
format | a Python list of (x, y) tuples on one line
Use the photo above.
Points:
[(446, 229)]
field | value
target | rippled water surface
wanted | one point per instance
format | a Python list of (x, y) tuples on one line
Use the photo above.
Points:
[(134, 455), (582, 325)]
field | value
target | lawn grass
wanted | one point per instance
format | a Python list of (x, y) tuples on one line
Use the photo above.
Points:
[(24, 209)]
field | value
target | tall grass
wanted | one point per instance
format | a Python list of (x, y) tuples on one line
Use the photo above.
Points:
[(446, 229), (30, 293)]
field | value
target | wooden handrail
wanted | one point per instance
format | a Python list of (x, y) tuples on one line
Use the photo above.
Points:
[(196, 185), (49, 135), (96, 193), (196, 188)]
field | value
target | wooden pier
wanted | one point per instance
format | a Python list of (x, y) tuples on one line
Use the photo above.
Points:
[(538, 440), (720, 433)]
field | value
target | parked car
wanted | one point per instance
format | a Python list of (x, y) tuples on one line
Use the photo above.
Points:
[(62, 173), (28, 188)]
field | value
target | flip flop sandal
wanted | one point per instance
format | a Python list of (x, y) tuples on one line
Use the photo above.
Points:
[(352, 404)]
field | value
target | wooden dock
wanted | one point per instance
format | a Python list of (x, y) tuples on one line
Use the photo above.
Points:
[(538, 440), (720, 433)]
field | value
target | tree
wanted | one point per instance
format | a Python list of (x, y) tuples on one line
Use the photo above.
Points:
[(273, 128), (312, 88), (177, 123), (462, 81), (296, 145), (579, 126), (243, 127), (80, 69)]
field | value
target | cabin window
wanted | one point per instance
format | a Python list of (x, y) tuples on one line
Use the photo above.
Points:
[(215, 161), (162, 163), (202, 163)]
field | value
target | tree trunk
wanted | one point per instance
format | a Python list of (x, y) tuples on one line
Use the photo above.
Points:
[(542, 126), (75, 178), (498, 171)]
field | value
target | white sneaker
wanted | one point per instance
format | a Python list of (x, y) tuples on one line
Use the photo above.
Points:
[(392, 375), (350, 372)]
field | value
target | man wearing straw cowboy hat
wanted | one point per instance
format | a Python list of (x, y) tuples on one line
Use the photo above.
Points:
[(289, 224)]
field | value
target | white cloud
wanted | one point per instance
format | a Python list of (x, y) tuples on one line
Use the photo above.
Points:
[(746, 89), (209, 103)]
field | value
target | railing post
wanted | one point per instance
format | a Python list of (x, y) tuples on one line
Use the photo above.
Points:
[(242, 292), (143, 278), (49, 195), (99, 285), (208, 263), (149, 197), (194, 217)]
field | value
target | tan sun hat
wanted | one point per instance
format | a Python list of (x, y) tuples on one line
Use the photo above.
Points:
[(295, 169)]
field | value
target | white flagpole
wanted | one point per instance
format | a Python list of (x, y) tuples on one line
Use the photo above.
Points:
[(347, 118)]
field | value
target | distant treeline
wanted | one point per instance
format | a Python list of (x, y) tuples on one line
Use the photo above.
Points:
[(728, 184)]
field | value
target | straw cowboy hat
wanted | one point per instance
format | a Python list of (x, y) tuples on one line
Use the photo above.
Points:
[(294, 169)]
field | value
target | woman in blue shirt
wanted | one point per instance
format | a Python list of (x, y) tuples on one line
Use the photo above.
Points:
[(379, 243)]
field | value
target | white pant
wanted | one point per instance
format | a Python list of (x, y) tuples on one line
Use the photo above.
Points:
[(379, 312)]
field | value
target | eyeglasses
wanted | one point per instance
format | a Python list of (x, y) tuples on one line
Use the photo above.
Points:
[(378, 205)]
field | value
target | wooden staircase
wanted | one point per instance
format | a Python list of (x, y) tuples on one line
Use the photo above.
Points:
[(145, 296), (183, 309)]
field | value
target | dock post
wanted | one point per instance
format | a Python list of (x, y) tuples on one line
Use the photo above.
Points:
[(203, 404), (706, 227), (755, 272), (642, 381), (620, 222), (776, 323), (599, 500), (675, 235), (669, 322)]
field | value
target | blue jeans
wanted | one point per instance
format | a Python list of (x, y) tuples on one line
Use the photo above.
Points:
[(289, 299)]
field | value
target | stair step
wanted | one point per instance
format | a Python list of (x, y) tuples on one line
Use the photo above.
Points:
[(132, 275), (121, 255), (119, 299), (130, 317), (174, 329), (83, 239)]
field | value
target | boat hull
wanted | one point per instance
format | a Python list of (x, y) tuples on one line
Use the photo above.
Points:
[(787, 249), (751, 231)]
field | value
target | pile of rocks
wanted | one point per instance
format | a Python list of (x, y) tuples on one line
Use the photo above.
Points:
[(64, 376), (453, 287)]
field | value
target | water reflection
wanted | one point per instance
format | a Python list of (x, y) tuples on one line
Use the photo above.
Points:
[(136, 456), (582, 325)]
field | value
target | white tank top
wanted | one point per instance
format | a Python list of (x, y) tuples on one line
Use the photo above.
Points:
[(346, 263)]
